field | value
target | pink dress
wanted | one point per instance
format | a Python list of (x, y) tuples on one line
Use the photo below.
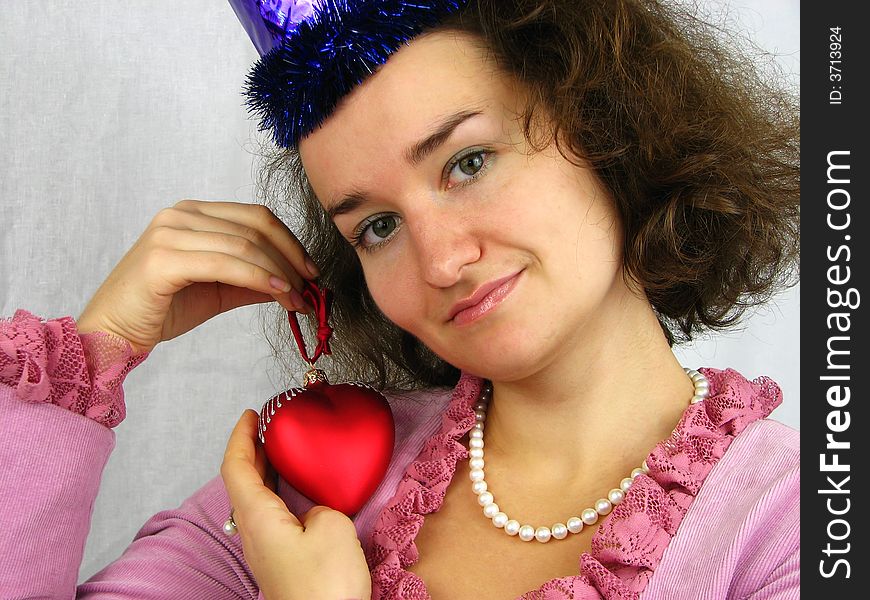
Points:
[(717, 516)]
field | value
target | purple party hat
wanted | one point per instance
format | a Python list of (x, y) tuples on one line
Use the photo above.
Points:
[(314, 52)]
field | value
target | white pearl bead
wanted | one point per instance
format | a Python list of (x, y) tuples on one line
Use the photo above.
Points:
[(476, 474), (478, 426), (696, 399), (543, 534), (589, 516), (485, 498), (491, 510), (476, 463), (480, 406), (512, 527), (697, 376), (625, 484), (603, 507), (228, 528), (476, 453), (479, 487), (475, 435), (645, 467), (575, 524), (500, 519), (475, 443), (615, 496), (527, 533), (636, 472), (560, 532)]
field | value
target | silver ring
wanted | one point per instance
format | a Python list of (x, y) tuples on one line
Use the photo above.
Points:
[(230, 527)]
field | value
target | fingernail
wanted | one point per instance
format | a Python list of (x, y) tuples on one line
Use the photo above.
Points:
[(312, 268), (279, 284), (296, 297)]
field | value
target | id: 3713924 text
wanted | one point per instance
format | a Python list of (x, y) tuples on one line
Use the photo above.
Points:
[(835, 65)]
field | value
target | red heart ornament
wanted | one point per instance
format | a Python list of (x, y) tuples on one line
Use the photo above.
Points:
[(332, 443)]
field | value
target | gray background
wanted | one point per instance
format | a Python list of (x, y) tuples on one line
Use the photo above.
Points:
[(110, 111)]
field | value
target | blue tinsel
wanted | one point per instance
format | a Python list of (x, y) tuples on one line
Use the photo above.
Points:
[(298, 84)]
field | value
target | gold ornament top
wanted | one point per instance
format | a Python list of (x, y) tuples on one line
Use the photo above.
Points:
[(314, 375)]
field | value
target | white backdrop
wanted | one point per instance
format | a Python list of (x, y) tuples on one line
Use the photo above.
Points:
[(110, 111)]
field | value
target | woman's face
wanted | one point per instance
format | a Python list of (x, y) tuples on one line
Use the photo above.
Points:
[(435, 182)]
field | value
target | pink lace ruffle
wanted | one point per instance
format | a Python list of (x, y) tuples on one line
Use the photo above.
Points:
[(629, 543), (49, 361)]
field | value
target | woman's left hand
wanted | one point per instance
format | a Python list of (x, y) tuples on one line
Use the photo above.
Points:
[(319, 557)]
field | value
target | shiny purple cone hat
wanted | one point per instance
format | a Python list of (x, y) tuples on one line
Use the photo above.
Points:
[(314, 52)]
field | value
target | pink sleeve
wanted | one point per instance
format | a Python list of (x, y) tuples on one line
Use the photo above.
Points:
[(50, 362), (56, 401), (751, 501), (182, 554), (52, 461), (784, 582)]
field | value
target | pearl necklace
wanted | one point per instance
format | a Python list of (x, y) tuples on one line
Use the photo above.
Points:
[(559, 531)]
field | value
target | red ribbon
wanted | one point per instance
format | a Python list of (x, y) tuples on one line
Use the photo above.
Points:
[(321, 300)]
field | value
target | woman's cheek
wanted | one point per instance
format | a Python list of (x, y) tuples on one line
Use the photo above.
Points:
[(391, 293)]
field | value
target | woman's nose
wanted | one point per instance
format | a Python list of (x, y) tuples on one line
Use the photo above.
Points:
[(445, 243)]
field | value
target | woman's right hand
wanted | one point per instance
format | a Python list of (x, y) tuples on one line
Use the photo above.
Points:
[(196, 260)]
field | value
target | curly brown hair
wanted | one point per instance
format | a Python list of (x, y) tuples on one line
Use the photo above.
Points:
[(697, 143)]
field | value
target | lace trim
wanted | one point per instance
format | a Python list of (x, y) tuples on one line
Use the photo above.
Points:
[(629, 543), (49, 361)]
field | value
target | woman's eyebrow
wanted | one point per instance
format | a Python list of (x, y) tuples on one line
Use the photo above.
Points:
[(349, 203), (419, 151), (413, 155)]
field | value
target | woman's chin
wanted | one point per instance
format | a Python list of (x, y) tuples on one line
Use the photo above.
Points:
[(509, 361)]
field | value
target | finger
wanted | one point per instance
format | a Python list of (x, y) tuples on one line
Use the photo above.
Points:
[(189, 218), (240, 457), (243, 481), (231, 297), (187, 240), (185, 267), (265, 468), (261, 218), (261, 462)]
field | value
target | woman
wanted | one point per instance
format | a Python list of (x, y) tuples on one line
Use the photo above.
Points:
[(532, 239)]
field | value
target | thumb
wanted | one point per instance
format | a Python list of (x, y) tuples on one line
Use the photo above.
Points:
[(233, 297), (327, 521)]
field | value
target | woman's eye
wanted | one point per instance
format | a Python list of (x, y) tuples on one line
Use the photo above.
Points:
[(383, 227), (375, 233), (467, 168), (378, 231), (471, 164)]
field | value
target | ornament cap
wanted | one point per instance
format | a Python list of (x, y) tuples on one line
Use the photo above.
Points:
[(314, 375)]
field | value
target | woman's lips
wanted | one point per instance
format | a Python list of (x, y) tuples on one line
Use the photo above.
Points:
[(487, 303)]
